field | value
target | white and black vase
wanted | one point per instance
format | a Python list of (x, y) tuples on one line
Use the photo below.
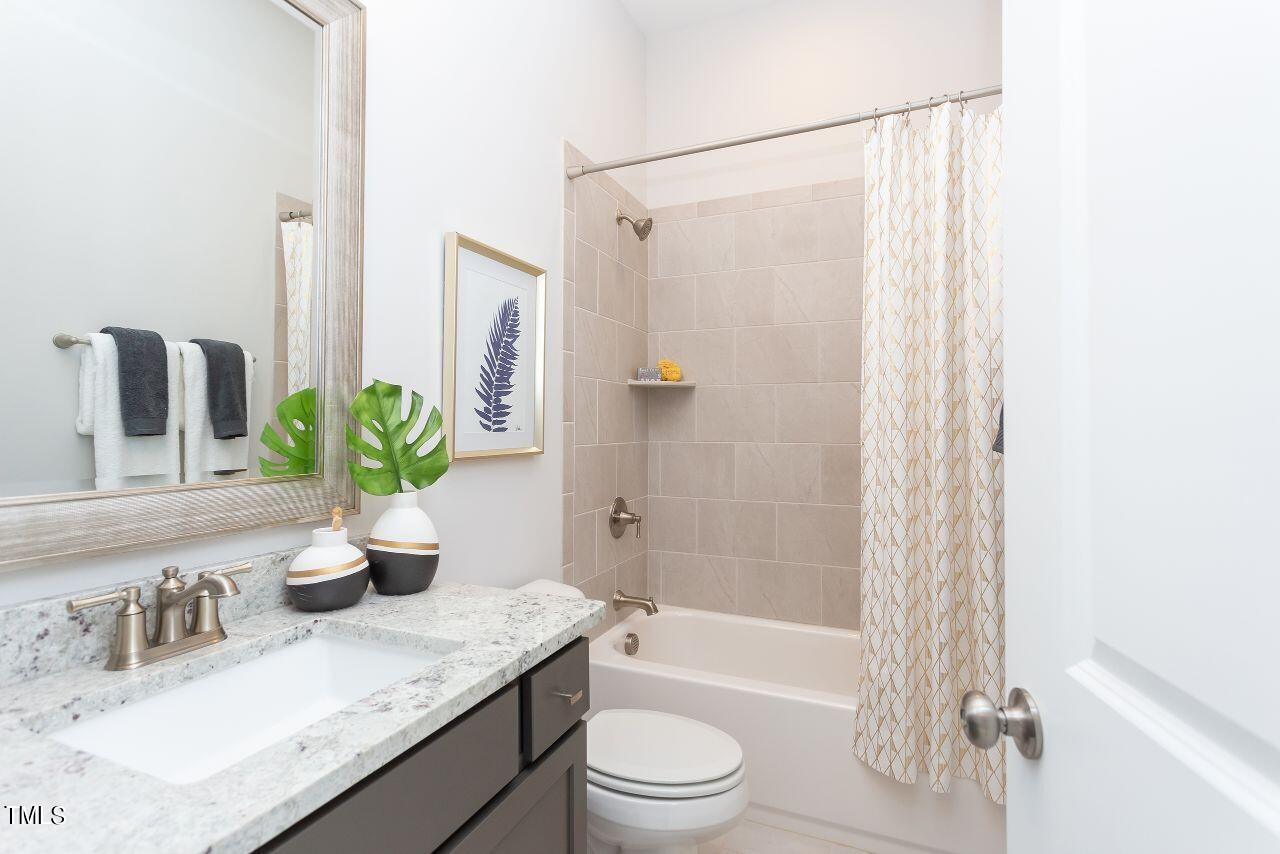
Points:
[(329, 574), (404, 549)]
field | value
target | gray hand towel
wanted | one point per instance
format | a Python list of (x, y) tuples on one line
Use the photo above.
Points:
[(144, 380), (998, 445), (228, 406)]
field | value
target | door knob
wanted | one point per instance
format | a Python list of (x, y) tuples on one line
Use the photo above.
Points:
[(984, 722)]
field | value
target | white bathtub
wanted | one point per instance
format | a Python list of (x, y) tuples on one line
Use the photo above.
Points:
[(787, 693)]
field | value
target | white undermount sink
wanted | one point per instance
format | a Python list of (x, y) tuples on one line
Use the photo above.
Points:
[(192, 731)]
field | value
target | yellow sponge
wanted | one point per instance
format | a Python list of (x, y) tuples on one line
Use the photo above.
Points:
[(671, 372)]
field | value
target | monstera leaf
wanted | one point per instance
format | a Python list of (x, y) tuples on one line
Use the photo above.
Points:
[(297, 415), (378, 408)]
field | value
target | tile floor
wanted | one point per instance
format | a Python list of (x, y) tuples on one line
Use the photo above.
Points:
[(753, 838)]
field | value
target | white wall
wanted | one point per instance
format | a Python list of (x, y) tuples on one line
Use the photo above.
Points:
[(797, 61), (468, 104), (140, 174)]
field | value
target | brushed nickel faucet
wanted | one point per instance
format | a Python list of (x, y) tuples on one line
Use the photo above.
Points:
[(173, 634), (644, 603)]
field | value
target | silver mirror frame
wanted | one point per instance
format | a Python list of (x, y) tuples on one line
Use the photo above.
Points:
[(41, 528)]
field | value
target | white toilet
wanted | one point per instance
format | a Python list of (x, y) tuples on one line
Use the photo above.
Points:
[(657, 783)]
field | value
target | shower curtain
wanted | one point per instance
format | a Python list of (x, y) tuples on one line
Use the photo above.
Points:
[(932, 494), (297, 277)]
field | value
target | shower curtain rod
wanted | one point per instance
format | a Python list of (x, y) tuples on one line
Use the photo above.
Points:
[(962, 95)]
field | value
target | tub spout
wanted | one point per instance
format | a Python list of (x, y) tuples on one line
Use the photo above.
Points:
[(644, 603)]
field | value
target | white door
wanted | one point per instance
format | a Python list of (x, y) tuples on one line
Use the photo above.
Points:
[(1142, 288)]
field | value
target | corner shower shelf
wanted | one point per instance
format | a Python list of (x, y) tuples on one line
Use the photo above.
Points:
[(661, 384)]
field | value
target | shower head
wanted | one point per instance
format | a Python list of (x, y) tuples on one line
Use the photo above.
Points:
[(642, 227)]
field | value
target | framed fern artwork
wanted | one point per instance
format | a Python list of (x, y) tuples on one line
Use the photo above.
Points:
[(494, 351)]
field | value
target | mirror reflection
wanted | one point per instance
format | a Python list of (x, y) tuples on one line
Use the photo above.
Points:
[(158, 243)]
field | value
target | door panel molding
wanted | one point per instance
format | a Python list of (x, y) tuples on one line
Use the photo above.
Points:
[(1241, 766)]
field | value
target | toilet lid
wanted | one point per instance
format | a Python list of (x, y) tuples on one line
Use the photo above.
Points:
[(658, 748), (666, 792)]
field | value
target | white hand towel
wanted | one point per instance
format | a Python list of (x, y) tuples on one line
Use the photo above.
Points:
[(121, 461), (88, 386), (203, 456)]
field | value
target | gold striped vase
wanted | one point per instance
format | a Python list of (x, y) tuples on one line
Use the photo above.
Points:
[(404, 549), (329, 574)]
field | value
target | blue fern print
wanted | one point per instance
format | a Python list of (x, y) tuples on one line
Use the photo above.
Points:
[(500, 356)]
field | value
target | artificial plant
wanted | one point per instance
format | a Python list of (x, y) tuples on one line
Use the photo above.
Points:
[(378, 407), (297, 415)]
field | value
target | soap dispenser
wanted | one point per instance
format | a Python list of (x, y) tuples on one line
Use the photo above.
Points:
[(330, 573)]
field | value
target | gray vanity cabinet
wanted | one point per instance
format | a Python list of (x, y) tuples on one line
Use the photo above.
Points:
[(510, 775), (544, 811)]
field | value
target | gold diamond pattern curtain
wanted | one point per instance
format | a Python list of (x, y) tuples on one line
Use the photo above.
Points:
[(932, 488), (299, 293)]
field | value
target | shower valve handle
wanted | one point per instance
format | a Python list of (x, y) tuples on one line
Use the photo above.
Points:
[(620, 518)]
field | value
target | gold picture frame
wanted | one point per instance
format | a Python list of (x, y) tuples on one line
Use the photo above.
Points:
[(460, 256)]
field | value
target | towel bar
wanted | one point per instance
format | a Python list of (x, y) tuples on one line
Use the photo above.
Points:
[(65, 341)]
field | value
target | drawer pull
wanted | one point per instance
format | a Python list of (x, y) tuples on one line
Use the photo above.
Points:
[(572, 698)]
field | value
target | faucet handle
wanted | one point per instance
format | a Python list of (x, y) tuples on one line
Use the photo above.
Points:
[(128, 596), (239, 568), (206, 617), (130, 643)]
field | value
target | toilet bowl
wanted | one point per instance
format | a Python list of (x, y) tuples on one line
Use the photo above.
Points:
[(659, 783), (656, 783)]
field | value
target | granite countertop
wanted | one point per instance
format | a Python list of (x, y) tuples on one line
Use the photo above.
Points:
[(107, 807)]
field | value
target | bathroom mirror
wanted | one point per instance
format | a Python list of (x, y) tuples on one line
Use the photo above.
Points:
[(181, 243)]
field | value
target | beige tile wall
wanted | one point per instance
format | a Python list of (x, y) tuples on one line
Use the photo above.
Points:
[(749, 484), (754, 475), (606, 433)]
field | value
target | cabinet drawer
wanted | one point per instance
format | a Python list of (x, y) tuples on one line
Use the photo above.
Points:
[(417, 801), (553, 697)]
